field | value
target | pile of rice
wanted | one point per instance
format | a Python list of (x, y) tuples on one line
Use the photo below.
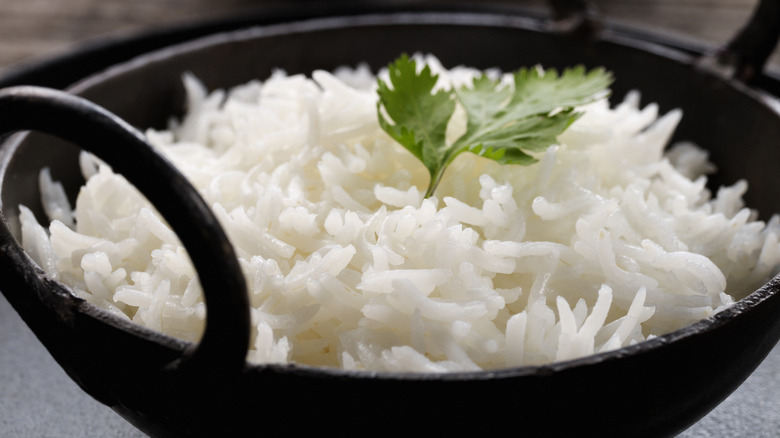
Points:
[(606, 242)]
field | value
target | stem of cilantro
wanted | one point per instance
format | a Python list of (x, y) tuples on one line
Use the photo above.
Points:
[(435, 180)]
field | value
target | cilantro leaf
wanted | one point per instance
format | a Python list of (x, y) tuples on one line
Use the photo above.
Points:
[(504, 123), (420, 115)]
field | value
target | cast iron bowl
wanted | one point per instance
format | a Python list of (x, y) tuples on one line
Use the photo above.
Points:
[(168, 387)]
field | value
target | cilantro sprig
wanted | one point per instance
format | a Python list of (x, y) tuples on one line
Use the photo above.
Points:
[(505, 124)]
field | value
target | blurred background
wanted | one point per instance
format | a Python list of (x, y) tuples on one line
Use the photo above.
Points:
[(31, 30)]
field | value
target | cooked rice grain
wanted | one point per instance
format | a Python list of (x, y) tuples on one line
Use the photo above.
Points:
[(607, 241)]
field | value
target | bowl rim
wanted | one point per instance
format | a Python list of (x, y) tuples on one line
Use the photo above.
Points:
[(719, 319)]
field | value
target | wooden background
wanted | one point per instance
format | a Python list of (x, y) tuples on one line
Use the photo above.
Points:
[(34, 29)]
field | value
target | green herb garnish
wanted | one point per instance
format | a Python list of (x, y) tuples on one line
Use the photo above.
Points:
[(504, 123)]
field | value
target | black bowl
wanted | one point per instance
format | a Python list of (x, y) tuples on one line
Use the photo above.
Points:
[(658, 387)]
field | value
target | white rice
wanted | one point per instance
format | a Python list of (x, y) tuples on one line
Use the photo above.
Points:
[(604, 243)]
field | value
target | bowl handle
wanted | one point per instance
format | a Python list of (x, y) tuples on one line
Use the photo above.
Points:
[(748, 51), (743, 57), (225, 339)]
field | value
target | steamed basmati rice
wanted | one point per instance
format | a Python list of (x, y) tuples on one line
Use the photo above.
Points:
[(606, 242)]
